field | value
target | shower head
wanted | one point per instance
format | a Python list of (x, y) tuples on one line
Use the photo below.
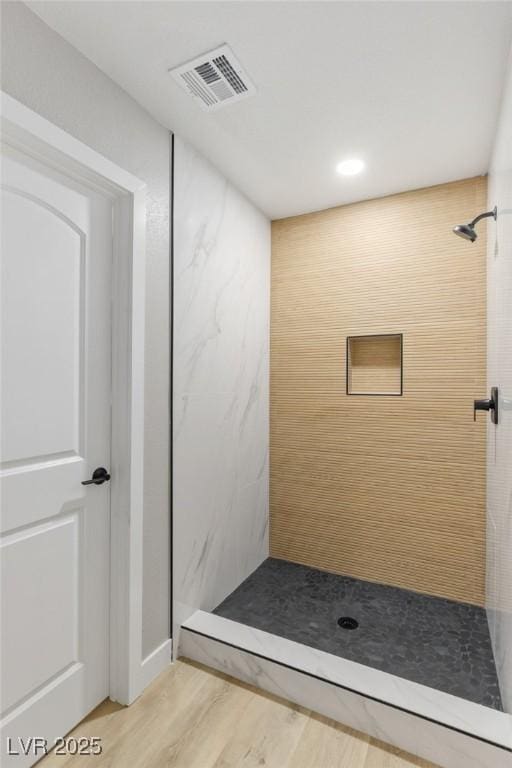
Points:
[(467, 231)]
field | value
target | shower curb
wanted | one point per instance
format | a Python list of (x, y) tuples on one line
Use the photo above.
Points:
[(212, 640)]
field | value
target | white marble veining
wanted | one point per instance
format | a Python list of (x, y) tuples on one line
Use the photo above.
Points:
[(427, 702), (441, 745), (221, 370), (499, 452)]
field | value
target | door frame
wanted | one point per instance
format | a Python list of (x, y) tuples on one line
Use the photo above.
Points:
[(27, 131)]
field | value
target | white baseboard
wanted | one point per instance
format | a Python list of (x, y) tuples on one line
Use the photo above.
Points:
[(155, 663)]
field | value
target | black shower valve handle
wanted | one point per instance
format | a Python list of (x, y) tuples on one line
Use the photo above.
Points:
[(482, 405), (490, 404)]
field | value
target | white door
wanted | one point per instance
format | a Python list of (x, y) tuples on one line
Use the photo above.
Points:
[(56, 255)]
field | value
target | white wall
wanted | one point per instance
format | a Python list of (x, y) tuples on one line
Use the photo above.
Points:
[(499, 490), (221, 371), (40, 69)]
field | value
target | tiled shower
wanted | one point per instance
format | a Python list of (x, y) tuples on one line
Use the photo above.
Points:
[(334, 540)]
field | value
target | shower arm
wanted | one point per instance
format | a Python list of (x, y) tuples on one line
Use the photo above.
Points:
[(486, 215)]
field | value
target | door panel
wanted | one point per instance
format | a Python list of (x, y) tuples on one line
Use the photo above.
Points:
[(43, 340), (42, 561), (55, 483), (55, 412)]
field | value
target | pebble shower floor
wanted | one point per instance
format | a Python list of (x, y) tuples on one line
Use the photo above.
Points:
[(437, 642)]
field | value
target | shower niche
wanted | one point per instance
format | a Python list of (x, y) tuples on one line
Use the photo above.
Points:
[(374, 364)]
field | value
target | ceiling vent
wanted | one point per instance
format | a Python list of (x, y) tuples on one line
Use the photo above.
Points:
[(215, 79)]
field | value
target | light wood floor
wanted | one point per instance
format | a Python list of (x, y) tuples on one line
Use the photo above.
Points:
[(192, 717)]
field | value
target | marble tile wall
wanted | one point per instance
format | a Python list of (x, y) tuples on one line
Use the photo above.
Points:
[(221, 373), (499, 452)]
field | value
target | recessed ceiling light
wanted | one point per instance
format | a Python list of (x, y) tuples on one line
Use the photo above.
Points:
[(350, 167)]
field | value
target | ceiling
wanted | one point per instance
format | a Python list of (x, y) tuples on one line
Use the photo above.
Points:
[(412, 88)]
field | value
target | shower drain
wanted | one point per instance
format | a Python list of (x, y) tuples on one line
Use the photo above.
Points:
[(347, 622)]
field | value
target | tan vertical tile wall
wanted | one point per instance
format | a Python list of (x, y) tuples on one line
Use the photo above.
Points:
[(384, 488)]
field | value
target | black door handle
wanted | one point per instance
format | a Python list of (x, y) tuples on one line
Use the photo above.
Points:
[(488, 405), (99, 476)]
